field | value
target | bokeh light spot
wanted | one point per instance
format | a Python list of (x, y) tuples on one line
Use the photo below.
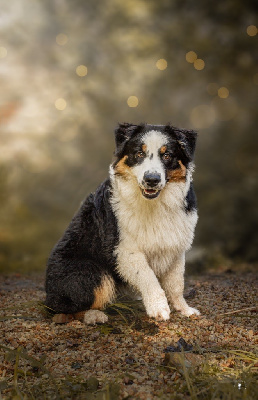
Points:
[(223, 92), (61, 39), (81, 70), (191, 56), (251, 30), (202, 116), (132, 101), (60, 104), (161, 64), (212, 88), (3, 52), (199, 64)]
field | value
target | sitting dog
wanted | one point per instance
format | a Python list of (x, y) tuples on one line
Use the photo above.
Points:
[(134, 230)]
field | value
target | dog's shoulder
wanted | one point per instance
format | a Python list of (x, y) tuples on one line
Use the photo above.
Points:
[(99, 201), (96, 213)]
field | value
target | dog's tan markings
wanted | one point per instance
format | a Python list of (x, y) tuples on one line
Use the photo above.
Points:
[(163, 149), (62, 318), (122, 169), (177, 175), (104, 294), (79, 315), (144, 148)]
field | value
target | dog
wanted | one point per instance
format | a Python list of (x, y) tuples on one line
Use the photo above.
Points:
[(134, 230)]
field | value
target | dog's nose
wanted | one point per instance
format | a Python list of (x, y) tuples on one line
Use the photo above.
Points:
[(152, 179)]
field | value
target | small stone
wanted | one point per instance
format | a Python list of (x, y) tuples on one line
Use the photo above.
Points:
[(191, 294), (130, 360), (181, 345), (179, 359), (127, 380), (76, 365)]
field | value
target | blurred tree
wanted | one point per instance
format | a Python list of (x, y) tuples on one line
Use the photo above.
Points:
[(57, 120)]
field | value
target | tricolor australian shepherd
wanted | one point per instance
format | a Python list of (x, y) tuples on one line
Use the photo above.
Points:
[(134, 230)]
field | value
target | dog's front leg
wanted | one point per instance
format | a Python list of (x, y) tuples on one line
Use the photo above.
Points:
[(134, 269), (173, 284)]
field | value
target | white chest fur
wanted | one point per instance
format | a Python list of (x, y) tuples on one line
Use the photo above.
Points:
[(160, 228)]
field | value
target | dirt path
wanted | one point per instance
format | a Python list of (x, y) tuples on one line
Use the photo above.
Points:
[(131, 356)]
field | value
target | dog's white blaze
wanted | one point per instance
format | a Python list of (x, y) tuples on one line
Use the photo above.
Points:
[(153, 141), (154, 235)]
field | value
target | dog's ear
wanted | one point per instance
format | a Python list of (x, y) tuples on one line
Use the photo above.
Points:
[(123, 133), (186, 140)]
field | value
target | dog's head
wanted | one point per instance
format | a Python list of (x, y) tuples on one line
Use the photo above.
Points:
[(153, 154)]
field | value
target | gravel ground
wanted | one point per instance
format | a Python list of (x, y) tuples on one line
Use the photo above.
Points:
[(131, 351)]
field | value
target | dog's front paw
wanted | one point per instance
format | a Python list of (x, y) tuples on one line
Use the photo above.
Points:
[(181, 305), (189, 311), (158, 307)]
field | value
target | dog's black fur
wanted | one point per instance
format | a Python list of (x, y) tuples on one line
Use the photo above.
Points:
[(81, 257)]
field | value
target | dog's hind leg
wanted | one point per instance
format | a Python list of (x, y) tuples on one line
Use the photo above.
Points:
[(103, 294), (79, 290)]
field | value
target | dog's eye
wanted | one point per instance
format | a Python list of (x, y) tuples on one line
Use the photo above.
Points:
[(140, 154), (166, 157)]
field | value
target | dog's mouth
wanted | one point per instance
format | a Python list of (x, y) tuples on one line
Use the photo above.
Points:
[(150, 193)]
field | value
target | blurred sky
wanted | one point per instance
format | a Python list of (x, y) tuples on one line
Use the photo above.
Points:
[(69, 71)]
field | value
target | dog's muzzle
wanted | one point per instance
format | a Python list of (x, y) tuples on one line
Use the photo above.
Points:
[(151, 185)]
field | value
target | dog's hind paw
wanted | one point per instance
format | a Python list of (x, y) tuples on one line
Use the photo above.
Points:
[(92, 317)]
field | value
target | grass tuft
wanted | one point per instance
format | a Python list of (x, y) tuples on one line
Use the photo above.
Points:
[(206, 381)]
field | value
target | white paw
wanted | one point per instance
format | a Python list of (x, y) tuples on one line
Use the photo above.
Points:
[(189, 311), (92, 317), (157, 307)]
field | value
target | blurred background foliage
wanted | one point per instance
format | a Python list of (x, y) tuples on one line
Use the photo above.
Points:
[(71, 70)]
